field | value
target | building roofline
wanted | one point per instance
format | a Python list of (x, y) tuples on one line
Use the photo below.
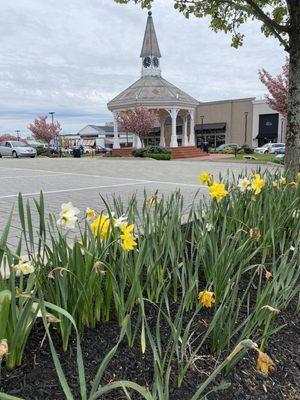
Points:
[(226, 101)]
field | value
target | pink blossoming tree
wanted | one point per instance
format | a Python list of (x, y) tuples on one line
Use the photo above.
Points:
[(278, 87), (42, 130), (138, 121), (8, 137)]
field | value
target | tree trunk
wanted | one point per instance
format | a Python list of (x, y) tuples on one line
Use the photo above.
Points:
[(292, 155)]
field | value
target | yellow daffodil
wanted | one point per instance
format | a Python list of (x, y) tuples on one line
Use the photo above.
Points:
[(275, 185), (264, 363), (283, 180), (68, 216), (152, 201), (257, 183), (90, 213), (25, 268), (100, 226), (206, 298), (205, 178), (128, 239), (217, 191), (243, 184)]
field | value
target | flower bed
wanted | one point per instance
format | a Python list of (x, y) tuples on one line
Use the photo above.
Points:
[(186, 304)]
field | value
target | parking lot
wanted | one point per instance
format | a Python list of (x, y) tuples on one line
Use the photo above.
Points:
[(82, 180)]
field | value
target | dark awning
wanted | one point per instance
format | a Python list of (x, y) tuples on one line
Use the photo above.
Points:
[(218, 126)]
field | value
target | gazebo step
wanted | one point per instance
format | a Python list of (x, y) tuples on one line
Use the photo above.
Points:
[(186, 152), (177, 152)]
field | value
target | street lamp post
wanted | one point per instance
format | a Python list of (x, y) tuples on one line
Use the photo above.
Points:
[(52, 121), (18, 134), (202, 119), (246, 126)]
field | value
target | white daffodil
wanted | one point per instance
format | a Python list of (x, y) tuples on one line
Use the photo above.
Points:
[(208, 227), (296, 214), (25, 268), (243, 184), (68, 216), (119, 221)]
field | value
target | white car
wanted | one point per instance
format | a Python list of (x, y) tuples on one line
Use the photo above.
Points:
[(16, 149), (269, 148)]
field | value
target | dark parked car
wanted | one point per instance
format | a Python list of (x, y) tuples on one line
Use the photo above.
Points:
[(102, 149)]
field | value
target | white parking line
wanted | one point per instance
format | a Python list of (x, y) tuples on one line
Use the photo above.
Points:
[(75, 189), (30, 176)]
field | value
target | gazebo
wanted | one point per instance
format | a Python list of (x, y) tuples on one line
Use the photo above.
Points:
[(175, 107)]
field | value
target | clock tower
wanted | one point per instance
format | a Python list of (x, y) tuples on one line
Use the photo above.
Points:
[(150, 53)]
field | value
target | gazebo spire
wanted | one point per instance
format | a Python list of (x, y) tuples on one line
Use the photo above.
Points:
[(150, 53)]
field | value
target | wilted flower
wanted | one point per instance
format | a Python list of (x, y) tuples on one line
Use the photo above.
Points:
[(205, 178), (100, 226), (257, 183), (206, 298), (268, 275), (26, 268), (128, 239), (217, 191), (293, 185), (90, 213), (264, 363), (275, 185), (243, 184), (68, 216), (3, 348), (254, 233)]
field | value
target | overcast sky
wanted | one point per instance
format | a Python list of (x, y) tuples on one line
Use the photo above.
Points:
[(73, 56)]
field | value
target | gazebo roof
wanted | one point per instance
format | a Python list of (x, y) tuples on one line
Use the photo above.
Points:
[(152, 92)]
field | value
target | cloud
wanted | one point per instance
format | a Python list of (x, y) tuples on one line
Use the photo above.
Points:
[(73, 57)]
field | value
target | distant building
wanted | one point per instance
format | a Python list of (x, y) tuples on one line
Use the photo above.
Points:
[(96, 135), (185, 121)]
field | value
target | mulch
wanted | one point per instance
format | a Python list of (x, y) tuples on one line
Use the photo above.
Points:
[(36, 378)]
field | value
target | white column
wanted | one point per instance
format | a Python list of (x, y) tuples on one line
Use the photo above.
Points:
[(192, 128), (162, 141), (174, 112), (137, 142), (116, 142), (185, 139)]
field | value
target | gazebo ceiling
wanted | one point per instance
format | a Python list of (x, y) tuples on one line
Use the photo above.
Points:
[(153, 92)]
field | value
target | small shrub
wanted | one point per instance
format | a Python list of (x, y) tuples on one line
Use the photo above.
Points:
[(161, 156), (228, 150), (157, 150), (150, 150), (139, 152), (246, 149)]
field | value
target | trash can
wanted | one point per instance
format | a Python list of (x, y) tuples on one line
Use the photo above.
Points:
[(76, 153)]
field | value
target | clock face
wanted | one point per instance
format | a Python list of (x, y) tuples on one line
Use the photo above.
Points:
[(155, 62), (147, 62)]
